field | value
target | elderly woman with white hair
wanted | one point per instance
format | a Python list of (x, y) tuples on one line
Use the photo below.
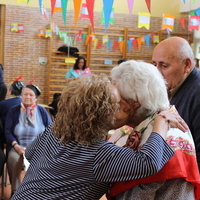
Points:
[(142, 86)]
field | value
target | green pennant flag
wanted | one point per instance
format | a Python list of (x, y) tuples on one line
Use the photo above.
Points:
[(64, 10)]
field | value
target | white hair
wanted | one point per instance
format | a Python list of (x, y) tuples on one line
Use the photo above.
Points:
[(141, 82)]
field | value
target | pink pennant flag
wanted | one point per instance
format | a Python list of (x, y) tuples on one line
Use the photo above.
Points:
[(130, 5), (148, 2)]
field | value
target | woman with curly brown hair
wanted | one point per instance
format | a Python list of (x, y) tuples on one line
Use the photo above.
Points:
[(71, 159)]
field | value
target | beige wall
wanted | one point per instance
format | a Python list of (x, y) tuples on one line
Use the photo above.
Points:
[(158, 7)]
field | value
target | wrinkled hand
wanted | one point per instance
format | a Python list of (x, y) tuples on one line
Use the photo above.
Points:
[(174, 119), (19, 149)]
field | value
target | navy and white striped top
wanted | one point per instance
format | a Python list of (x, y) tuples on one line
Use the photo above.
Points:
[(77, 172)]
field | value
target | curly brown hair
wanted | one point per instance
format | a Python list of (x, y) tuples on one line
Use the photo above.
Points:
[(85, 111)]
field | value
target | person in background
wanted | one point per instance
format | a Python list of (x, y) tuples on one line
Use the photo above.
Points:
[(54, 105), (15, 90), (174, 58), (80, 69), (142, 86), (71, 159), (121, 60), (24, 123), (3, 88)]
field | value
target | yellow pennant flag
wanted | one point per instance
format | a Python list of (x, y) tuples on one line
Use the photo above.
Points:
[(19, 1), (95, 42), (144, 20)]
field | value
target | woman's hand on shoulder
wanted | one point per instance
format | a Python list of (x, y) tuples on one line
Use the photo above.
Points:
[(174, 119)]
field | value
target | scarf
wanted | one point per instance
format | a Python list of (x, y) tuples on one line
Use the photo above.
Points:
[(29, 114)]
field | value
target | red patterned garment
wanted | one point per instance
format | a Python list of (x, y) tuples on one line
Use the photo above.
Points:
[(182, 165)]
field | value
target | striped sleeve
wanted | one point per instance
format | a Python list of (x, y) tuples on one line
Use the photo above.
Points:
[(113, 163)]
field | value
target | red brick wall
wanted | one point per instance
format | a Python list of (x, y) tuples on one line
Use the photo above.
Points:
[(22, 50)]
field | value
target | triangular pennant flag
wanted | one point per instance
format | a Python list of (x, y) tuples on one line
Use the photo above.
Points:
[(147, 40), (99, 45), (148, 2), (139, 42), (197, 11), (184, 1), (95, 42), (115, 45), (130, 6), (28, 1), (182, 22), (129, 43), (41, 6), (107, 7), (84, 35), (64, 10), (18, 1), (109, 44), (134, 42), (121, 46), (57, 6), (168, 31), (53, 2), (90, 8), (77, 8)]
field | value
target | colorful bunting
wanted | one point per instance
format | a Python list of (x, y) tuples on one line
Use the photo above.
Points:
[(95, 42), (99, 45), (115, 45), (144, 20), (105, 38), (84, 35), (147, 39), (121, 46), (129, 43), (14, 27), (28, 1), (53, 3), (109, 44), (184, 1), (148, 3), (107, 5), (139, 42), (156, 39), (41, 6), (168, 21), (20, 28), (64, 10), (79, 36), (182, 22), (48, 33), (84, 11), (194, 22), (58, 6), (77, 8), (130, 6), (41, 32), (19, 1), (197, 11), (90, 8), (134, 42), (111, 21)]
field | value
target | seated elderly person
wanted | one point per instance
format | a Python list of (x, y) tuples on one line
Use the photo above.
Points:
[(24, 123), (15, 90), (71, 159), (144, 89)]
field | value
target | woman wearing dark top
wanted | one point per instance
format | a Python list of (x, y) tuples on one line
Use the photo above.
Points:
[(3, 88)]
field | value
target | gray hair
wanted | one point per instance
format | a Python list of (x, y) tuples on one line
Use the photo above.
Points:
[(142, 82)]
